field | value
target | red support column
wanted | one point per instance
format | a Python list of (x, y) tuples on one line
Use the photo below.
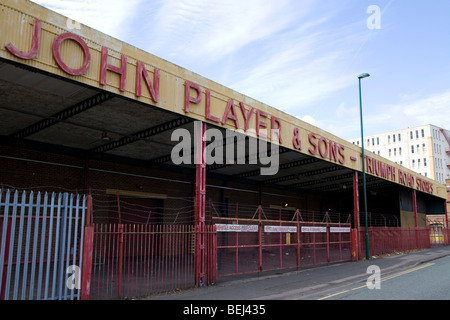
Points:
[(297, 215), (120, 261), (118, 208), (355, 233), (259, 239), (328, 238), (414, 195), (88, 247), (446, 230), (200, 192), (446, 214)]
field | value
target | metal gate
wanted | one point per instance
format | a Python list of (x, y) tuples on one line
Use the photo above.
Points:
[(138, 260), (256, 244), (40, 245)]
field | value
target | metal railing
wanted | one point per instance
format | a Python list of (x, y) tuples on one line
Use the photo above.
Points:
[(40, 245)]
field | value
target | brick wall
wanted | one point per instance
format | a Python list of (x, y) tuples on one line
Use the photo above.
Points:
[(174, 203)]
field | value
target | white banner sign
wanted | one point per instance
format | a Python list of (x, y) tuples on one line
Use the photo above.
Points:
[(340, 229), (236, 228), (314, 229), (284, 229)]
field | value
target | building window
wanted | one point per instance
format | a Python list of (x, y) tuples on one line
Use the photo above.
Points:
[(378, 141), (414, 163), (393, 138), (400, 151), (389, 139), (411, 135), (373, 141), (418, 148), (389, 152), (399, 137), (417, 134), (418, 163), (423, 133), (424, 162), (395, 152), (412, 149)]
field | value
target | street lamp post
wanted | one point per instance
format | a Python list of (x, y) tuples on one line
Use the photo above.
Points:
[(362, 76)]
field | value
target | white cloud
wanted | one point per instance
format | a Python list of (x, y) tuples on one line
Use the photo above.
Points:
[(433, 109), (283, 53), (302, 69), (311, 120), (208, 30), (108, 16)]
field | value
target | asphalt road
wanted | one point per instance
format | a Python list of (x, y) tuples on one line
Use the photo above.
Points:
[(418, 275), (428, 281)]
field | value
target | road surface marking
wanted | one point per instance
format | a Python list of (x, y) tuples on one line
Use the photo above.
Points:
[(383, 279), (332, 295)]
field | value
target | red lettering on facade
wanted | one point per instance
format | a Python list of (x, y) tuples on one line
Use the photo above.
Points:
[(296, 142), (141, 72), (187, 94), (35, 41), (260, 123), (247, 115), (369, 164), (311, 138), (208, 114), (323, 151), (276, 129), (424, 186), (333, 150), (341, 159), (380, 169), (104, 66), (327, 149), (57, 54), (226, 115), (406, 179)]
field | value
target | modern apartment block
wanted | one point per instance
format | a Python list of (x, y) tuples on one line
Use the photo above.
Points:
[(424, 149)]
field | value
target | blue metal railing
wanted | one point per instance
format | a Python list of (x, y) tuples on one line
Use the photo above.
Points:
[(40, 245)]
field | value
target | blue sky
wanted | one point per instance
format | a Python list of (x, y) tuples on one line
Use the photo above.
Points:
[(300, 56)]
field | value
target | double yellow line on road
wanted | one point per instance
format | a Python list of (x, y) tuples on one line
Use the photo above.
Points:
[(383, 279)]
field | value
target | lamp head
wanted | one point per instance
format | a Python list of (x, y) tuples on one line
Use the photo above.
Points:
[(363, 75)]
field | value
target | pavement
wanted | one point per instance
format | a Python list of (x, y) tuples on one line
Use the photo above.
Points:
[(306, 283)]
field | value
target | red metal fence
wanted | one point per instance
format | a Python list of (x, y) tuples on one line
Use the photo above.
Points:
[(384, 240), (259, 244), (132, 260), (120, 261)]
